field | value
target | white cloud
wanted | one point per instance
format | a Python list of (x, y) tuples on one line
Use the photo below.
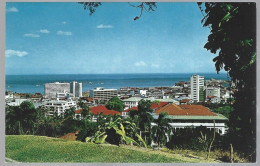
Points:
[(12, 9), (155, 65), (64, 22), (104, 26), (44, 31), (141, 63), (64, 33), (9, 53), (31, 35)]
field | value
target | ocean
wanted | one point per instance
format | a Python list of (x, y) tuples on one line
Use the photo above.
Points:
[(35, 83)]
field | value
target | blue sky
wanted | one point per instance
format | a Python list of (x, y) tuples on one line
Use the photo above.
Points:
[(62, 38)]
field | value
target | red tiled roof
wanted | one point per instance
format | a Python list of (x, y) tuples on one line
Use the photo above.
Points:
[(132, 108), (78, 111), (153, 106), (100, 108), (210, 97), (173, 109), (156, 106), (90, 99), (185, 100)]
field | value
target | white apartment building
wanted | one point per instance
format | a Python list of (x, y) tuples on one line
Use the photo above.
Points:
[(132, 101), (196, 83), (143, 92), (16, 102), (213, 91), (103, 94), (58, 106), (61, 90)]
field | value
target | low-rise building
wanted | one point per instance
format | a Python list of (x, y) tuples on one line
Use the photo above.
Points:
[(103, 94), (16, 102), (58, 106), (213, 91), (183, 116), (100, 109), (132, 101)]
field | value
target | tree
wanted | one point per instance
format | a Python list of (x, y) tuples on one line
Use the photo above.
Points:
[(233, 39), (85, 110), (115, 131), (21, 119), (145, 117), (115, 104), (147, 6), (161, 128), (201, 95), (69, 113)]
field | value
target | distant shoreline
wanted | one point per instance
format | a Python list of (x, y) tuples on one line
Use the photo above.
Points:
[(35, 83), (199, 73)]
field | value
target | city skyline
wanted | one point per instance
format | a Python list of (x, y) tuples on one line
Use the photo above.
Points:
[(62, 38)]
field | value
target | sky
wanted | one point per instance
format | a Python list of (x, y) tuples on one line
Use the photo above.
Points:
[(62, 38)]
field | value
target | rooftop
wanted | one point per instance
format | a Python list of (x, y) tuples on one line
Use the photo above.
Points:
[(98, 109), (185, 110)]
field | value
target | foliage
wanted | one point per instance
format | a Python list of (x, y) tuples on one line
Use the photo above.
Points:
[(161, 128), (116, 130), (201, 94), (157, 102), (91, 6), (115, 104), (193, 139), (88, 129), (85, 113), (147, 6), (49, 126), (224, 110), (23, 149), (21, 119), (233, 38), (145, 114)]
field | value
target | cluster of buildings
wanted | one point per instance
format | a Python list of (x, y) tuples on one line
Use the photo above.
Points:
[(181, 116), (181, 102)]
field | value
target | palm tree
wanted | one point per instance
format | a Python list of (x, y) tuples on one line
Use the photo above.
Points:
[(85, 113), (161, 128), (145, 116)]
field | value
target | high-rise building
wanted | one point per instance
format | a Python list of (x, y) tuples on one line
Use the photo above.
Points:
[(63, 90), (51, 89), (196, 87), (103, 94), (76, 89)]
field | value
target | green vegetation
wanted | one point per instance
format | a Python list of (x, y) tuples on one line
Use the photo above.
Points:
[(236, 54), (202, 94), (161, 128), (44, 149), (21, 119), (224, 110), (115, 104)]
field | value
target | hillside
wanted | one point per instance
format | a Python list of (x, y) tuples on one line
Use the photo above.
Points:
[(28, 148)]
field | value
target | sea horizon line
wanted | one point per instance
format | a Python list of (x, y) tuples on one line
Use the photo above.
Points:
[(193, 73)]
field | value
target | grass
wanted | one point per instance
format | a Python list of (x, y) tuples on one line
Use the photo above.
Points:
[(28, 148)]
